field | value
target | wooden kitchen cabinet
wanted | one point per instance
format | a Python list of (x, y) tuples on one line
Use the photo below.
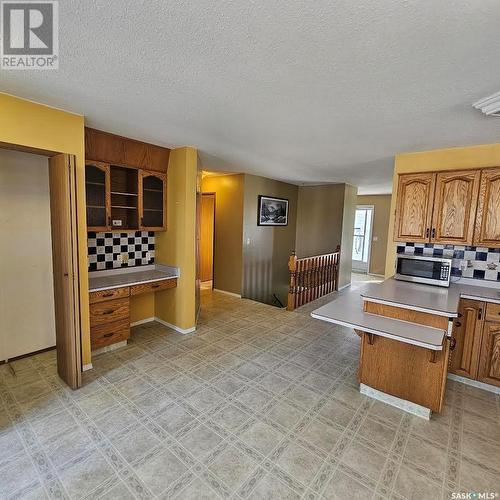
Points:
[(414, 207), (97, 192), (117, 150), (467, 331), (454, 211), (152, 200), (489, 364), (487, 231)]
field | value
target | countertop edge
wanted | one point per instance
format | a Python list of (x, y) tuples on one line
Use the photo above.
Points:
[(405, 340), (140, 282), (412, 307)]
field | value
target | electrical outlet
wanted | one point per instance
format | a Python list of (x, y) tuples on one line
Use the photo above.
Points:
[(463, 265), (148, 256), (124, 257), (119, 258)]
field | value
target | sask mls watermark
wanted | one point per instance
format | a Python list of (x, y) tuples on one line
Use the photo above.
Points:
[(30, 38)]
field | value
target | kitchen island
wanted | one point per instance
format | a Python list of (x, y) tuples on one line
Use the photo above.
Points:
[(406, 338)]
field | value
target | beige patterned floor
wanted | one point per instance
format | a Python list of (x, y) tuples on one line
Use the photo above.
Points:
[(259, 403)]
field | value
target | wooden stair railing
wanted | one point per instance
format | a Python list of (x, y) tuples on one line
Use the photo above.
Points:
[(312, 277)]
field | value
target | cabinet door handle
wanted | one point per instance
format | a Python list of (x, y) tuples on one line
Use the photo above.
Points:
[(427, 233), (433, 232), (480, 313), (457, 323)]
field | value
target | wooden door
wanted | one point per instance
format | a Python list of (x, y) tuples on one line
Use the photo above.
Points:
[(489, 363), (152, 201), (487, 231), (97, 195), (207, 226), (467, 329), (455, 205), (414, 207), (65, 268)]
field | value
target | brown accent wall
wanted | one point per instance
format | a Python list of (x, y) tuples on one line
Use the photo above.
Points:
[(266, 249), (381, 215), (228, 191), (319, 219)]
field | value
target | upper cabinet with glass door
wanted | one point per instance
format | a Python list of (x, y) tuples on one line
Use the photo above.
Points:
[(97, 191), (152, 187), (125, 183)]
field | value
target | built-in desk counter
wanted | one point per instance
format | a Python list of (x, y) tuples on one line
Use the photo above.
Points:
[(109, 298)]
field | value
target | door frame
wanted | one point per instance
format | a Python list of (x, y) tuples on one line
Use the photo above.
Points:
[(73, 377), (211, 193), (372, 210)]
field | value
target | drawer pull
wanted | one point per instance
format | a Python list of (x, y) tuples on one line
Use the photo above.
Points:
[(107, 335), (108, 294), (157, 286), (457, 323), (109, 311)]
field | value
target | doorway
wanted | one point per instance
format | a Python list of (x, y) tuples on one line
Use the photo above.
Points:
[(207, 240), (39, 301), (362, 239)]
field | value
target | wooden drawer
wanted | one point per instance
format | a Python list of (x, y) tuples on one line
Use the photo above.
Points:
[(109, 333), (109, 311), (493, 312), (155, 286), (114, 293)]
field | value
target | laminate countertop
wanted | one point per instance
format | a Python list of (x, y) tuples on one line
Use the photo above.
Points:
[(427, 298), (117, 278), (347, 310)]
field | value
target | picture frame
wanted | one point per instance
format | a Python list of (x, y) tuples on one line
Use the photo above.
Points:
[(272, 211)]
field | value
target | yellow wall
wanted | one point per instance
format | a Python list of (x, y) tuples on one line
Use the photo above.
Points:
[(485, 155), (177, 245), (381, 214), (142, 307), (228, 249), (34, 125)]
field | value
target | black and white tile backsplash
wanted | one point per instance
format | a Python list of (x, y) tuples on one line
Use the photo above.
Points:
[(482, 263), (104, 249)]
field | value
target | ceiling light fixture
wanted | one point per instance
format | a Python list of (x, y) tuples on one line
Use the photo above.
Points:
[(489, 105)]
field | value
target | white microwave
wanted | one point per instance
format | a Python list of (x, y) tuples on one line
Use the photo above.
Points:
[(423, 269)]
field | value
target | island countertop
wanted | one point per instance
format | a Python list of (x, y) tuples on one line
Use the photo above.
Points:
[(117, 278), (427, 298), (347, 310)]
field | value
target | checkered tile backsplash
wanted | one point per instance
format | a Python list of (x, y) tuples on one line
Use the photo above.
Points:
[(104, 249), (483, 263)]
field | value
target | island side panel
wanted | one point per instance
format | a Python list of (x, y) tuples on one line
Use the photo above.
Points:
[(406, 371)]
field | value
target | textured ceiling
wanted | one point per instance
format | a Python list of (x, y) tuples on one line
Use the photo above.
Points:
[(304, 91)]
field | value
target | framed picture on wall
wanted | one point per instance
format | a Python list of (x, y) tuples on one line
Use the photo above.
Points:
[(272, 211)]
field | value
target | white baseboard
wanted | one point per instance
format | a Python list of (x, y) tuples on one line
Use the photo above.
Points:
[(237, 295), (175, 327), (87, 367), (377, 275), (343, 287), (142, 321), (402, 404), (474, 383)]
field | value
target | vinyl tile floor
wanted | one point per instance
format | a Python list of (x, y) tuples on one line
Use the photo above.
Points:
[(258, 403)]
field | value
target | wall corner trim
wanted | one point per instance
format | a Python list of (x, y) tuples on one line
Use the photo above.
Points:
[(237, 295), (178, 329), (142, 321)]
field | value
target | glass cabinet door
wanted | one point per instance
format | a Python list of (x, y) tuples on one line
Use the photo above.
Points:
[(96, 190), (153, 187)]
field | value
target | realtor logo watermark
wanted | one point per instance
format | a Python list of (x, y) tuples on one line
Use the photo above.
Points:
[(30, 35)]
